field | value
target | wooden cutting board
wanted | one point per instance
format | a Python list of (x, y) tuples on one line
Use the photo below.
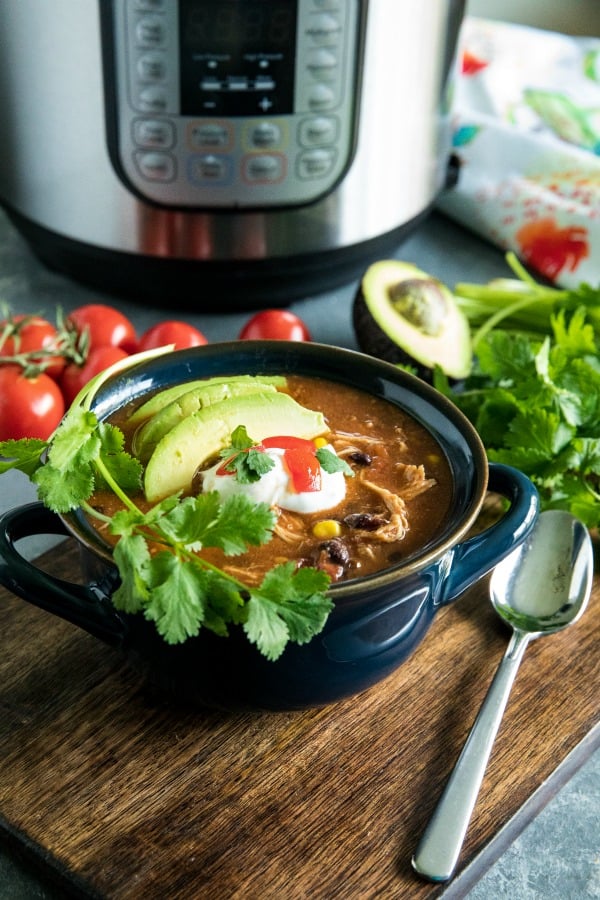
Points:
[(115, 794)]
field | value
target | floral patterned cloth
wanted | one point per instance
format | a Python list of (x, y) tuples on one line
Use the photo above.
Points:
[(526, 128)]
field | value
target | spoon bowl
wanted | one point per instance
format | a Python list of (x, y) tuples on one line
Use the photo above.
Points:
[(538, 589), (559, 552)]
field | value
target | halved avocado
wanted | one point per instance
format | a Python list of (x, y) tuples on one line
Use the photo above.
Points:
[(403, 315)]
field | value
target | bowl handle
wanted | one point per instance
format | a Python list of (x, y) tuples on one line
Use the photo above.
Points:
[(476, 556), (88, 607)]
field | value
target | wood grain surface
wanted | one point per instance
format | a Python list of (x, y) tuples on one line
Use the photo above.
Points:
[(116, 794)]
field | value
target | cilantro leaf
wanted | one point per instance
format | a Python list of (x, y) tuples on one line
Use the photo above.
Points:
[(331, 462), (290, 604), (243, 459), (125, 469), (191, 521), (131, 555), (265, 627), (240, 439), (241, 522), (76, 441), (226, 606), (24, 455), (177, 596), (63, 490)]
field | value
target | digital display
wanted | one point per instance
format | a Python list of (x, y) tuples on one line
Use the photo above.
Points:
[(237, 57)]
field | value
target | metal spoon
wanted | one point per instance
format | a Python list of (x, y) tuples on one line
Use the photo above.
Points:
[(540, 588)]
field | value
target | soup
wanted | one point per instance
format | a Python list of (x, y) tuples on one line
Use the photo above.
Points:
[(397, 489)]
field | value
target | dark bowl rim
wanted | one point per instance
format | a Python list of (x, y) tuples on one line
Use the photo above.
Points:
[(309, 350)]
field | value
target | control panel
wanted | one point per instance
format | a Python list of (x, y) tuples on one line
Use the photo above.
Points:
[(233, 103)]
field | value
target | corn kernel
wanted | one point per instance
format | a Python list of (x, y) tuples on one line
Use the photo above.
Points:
[(320, 442), (327, 528)]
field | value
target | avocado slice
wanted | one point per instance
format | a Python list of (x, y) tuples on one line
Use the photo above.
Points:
[(403, 315), (201, 436), (151, 432), (162, 398)]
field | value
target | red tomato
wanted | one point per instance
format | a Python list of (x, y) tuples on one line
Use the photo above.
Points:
[(75, 377), (181, 334), (29, 407), (29, 335), (106, 326), (275, 324)]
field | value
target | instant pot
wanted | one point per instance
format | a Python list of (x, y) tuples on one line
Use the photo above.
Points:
[(215, 152)]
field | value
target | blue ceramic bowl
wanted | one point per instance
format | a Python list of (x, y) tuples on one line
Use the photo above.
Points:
[(376, 622)]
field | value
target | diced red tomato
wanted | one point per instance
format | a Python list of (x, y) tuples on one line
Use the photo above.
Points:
[(300, 461)]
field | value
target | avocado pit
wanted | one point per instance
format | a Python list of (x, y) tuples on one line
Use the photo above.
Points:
[(405, 316)]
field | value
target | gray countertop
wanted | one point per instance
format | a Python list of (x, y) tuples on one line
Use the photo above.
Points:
[(557, 855)]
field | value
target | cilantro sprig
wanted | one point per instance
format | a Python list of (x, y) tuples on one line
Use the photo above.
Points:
[(535, 402), (243, 459), (161, 574)]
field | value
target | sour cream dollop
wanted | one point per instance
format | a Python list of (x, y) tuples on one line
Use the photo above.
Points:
[(275, 487)]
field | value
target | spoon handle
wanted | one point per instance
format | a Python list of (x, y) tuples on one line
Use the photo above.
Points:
[(438, 850)]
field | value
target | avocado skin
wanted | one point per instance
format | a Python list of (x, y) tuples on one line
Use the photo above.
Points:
[(374, 340)]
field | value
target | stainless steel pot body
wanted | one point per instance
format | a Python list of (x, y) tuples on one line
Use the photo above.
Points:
[(59, 182)]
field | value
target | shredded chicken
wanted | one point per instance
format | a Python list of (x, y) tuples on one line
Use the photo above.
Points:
[(345, 440), (289, 528), (414, 482), (396, 527)]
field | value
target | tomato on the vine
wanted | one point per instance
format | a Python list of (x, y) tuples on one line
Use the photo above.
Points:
[(275, 324), (106, 326), (181, 334), (29, 407), (29, 335), (75, 377)]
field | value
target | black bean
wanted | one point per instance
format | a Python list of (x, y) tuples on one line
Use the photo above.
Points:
[(337, 551), (364, 521), (360, 458)]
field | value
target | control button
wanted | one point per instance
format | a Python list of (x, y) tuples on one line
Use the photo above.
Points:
[(210, 168), (322, 62), (152, 67), (237, 83), (316, 163), (321, 97), (150, 32), (204, 135), (264, 168), (324, 29), (265, 134), (265, 104), (317, 131), (153, 99), (154, 133), (264, 83), (156, 166)]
